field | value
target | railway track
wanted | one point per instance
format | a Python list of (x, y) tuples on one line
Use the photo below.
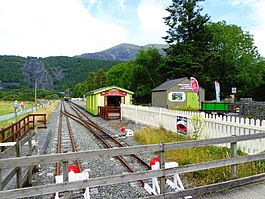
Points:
[(107, 140), (66, 143), (70, 114)]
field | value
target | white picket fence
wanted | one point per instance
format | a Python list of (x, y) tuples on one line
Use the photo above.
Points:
[(213, 126)]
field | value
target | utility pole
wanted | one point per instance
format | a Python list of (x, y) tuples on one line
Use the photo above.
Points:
[(36, 93)]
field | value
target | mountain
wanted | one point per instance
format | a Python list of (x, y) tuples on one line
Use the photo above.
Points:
[(122, 52), (61, 72)]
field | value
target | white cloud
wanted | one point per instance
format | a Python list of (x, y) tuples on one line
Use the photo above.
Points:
[(92, 1), (121, 4), (71, 27), (258, 29), (53, 27), (242, 2), (152, 27), (255, 11), (248, 14)]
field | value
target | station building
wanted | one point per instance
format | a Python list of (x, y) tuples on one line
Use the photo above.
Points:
[(106, 101)]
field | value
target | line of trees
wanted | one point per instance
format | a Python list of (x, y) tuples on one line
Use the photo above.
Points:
[(26, 94), (208, 51)]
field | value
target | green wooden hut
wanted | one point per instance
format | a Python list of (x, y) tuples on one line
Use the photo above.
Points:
[(106, 101)]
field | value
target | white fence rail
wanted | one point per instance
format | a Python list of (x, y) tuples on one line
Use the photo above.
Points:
[(213, 126)]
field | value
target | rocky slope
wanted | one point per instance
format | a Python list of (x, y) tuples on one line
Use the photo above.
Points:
[(122, 52), (36, 74)]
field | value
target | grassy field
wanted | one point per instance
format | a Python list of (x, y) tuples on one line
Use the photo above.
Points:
[(7, 107), (197, 155)]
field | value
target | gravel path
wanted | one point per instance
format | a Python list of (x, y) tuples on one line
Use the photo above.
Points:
[(97, 166)]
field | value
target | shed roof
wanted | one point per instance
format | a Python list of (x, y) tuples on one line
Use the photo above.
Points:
[(99, 90), (168, 84)]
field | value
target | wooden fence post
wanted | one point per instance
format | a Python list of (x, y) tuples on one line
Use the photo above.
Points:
[(36, 136), (233, 155), (162, 166), (136, 115), (121, 109), (1, 180), (65, 177), (160, 117), (18, 169), (30, 154)]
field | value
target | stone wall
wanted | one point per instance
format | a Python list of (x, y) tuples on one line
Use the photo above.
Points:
[(252, 109)]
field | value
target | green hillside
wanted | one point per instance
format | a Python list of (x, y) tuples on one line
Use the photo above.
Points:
[(75, 70), (57, 73), (10, 68)]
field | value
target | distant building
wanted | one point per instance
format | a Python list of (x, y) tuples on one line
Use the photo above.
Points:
[(67, 92), (176, 93)]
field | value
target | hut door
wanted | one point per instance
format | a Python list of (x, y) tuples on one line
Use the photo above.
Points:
[(114, 100)]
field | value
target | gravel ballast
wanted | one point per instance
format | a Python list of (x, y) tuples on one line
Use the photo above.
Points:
[(97, 167)]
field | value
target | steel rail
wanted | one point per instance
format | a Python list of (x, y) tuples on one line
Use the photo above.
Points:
[(72, 139), (88, 123), (100, 129), (59, 144), (107, 145)]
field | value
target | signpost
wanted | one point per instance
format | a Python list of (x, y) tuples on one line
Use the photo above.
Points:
[(233, 91)]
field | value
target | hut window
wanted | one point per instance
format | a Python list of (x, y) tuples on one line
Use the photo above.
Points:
[(176, 96)]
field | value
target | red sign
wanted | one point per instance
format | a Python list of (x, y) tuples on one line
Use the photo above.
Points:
[(113, 93), (194, 84)]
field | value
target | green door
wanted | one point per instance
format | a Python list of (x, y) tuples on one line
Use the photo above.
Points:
[(192, 100)]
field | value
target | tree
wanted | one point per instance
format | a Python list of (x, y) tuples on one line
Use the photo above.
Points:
[(96, 80), (117, 75), (79, 90), (211, 51), (151, 60), (139, 75), (235, 61), (100, 79), (187, 37), (146, 74)]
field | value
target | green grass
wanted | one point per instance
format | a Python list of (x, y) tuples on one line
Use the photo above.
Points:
[(197, 155), (47, 109), (185, 108), (7, 107)]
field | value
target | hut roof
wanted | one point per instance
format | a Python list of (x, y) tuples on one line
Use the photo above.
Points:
[(99, 90), (168, 84)]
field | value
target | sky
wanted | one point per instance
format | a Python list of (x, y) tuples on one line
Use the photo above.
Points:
[(43, 28)]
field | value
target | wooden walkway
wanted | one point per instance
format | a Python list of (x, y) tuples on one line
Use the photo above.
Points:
[(250, 191)]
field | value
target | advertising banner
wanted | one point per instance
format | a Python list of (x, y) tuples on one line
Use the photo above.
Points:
[(217, 91), (195, 87)]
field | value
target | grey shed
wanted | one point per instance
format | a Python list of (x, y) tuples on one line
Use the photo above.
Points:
[(176, 93)]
